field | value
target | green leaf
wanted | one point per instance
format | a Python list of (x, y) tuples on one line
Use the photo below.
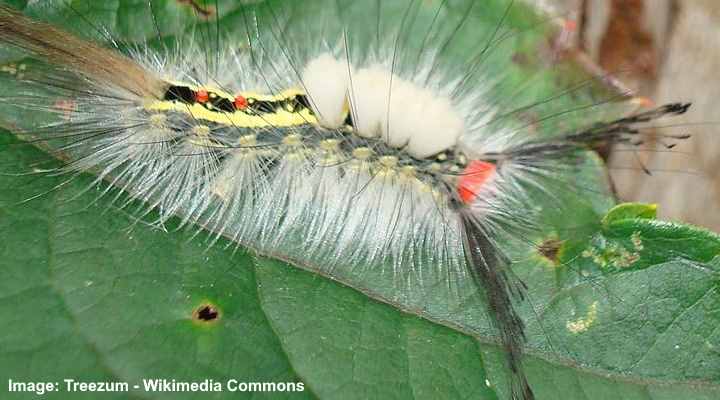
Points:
[(90, 293), (630, 211)]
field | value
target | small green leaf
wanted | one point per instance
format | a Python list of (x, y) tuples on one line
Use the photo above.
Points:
[(660, 240), (630, 211)]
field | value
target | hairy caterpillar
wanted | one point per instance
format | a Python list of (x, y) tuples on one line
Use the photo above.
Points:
[(325, 152)]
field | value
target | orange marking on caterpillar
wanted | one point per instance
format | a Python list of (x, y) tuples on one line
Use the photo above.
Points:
[(642, 101), (240, 102), (475, 175), (202, 96)]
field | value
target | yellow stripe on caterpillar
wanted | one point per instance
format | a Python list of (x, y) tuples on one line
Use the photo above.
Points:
[(282, 110)]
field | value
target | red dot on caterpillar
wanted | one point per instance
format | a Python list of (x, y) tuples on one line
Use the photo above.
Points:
[(473, 178), (202, 96), (240, 102)]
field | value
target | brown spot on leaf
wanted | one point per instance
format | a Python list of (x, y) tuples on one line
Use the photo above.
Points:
[(520, 59), (201, 10), (550, 249)]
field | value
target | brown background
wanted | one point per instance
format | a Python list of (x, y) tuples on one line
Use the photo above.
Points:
[(669, 51)]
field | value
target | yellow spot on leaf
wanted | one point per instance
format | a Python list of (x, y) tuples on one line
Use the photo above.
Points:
[(582, 324)]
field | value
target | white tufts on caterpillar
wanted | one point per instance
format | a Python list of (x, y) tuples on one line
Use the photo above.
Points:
[(326, 81), (402, 114)]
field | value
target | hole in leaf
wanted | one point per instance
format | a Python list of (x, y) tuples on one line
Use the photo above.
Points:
[(206, 313)]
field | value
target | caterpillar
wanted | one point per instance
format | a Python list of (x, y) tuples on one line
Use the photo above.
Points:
[(387, 151)]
